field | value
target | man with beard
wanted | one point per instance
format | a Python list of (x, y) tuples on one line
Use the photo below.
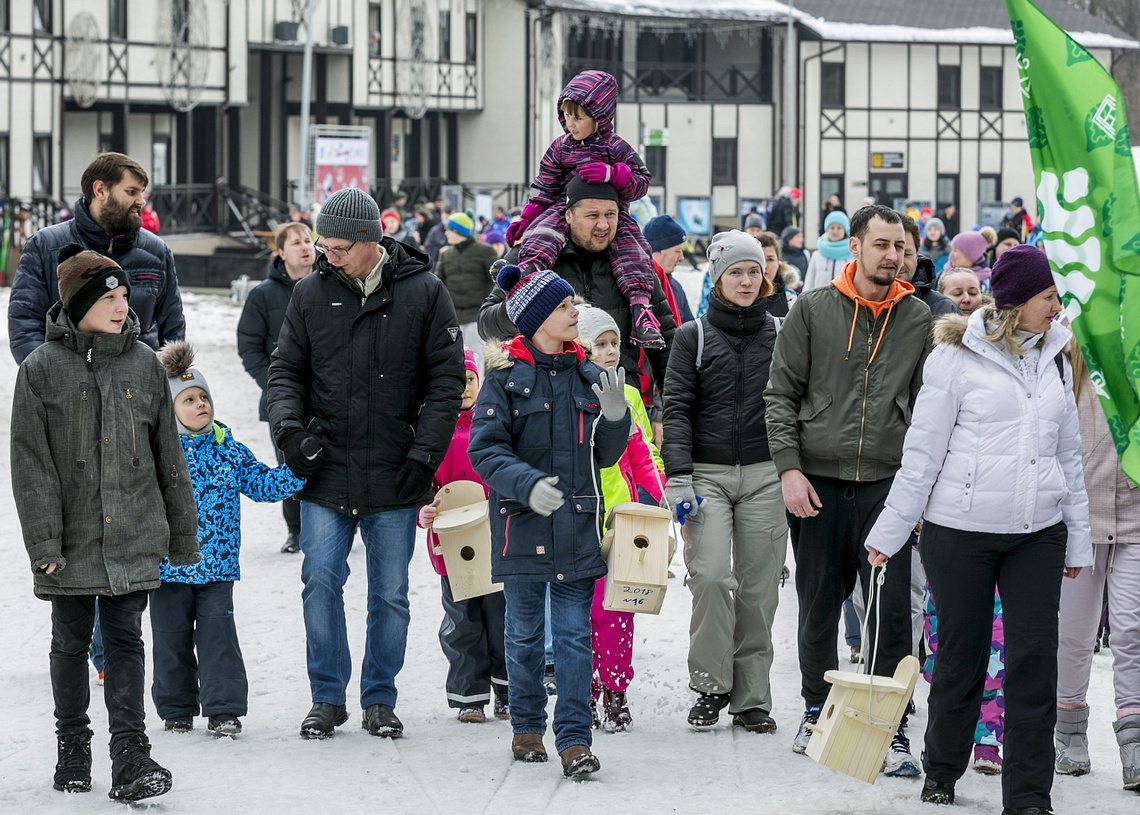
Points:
[(107, 221), (591, 214), (845, 373)]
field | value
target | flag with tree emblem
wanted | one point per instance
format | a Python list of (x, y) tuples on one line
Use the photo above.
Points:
[(1089, 204)]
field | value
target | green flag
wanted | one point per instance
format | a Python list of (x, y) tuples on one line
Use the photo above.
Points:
[(1090, 209)]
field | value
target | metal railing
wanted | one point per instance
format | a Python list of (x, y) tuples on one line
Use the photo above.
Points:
[(684, 82), (237, 211)]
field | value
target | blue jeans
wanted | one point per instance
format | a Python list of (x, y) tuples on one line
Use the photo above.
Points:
[(326, 540), (573, 658)]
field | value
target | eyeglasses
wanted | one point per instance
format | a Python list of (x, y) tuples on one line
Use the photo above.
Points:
[(334, 252)]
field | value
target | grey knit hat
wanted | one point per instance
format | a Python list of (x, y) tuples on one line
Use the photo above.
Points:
[(732, 247), (350, 215), (593, 322)]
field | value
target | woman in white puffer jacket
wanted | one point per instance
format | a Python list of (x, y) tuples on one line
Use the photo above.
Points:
[(992, 468)]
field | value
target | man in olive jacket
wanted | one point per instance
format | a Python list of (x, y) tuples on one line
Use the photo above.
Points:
[(364, 391), (845, 373)]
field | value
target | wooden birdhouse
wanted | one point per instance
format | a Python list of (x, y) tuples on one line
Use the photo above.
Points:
[(464, 534), (859, 719), (637, 549)]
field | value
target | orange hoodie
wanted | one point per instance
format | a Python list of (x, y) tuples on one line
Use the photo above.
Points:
[(897, 291)]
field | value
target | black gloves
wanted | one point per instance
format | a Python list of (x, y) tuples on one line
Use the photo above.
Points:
[(413, 483), (302, 452)]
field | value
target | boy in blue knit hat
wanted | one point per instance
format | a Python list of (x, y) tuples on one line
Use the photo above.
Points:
[(547, 421)]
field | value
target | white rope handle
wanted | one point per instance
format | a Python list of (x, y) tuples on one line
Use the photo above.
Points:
[(869, 666)]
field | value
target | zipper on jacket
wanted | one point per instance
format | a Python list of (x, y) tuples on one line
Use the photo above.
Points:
[(866, 381), (581, 427), (82, 462), (131, 413), (507, 533)]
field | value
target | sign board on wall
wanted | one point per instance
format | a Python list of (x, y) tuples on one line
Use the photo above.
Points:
[(888, 161), (990, 213), (339, 159), (694, 214)]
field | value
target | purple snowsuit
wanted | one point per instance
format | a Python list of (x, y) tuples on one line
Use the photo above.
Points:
[(596, 92)]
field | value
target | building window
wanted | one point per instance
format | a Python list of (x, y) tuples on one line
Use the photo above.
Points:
[(593, 48), (655, 162), (107, 143), (989, 94), (830, 185), (946, 191), (724, 161), (41, 165), (117, 19), (471, 37), (374, 18), (4, 165), (949, 87), (989, 188), (833, 84), (160, 160), (41, 15), (445, 36)]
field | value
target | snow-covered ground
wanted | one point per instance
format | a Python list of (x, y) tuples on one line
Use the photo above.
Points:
[(440, 765)]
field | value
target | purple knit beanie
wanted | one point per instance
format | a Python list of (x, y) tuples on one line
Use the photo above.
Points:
[(971, 244), (1022, 272)]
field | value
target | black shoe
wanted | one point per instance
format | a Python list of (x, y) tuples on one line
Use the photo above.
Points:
[(1026, 811), (502, 706), (292, 544), (754, 720), (322, 719), (937, 792), (224, 725), (705, 712), (73, 767), (135, 775), (644, 330), (180, 724), (381, 720), (548, 681)]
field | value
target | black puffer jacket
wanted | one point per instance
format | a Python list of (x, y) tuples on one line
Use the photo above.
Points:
[(464, 270), (715, 414), (380, 378), (923, 282), (590, 275), (259, 326), (143, 256)]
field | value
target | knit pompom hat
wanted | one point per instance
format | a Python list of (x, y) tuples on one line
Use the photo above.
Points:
[(85, 276), (177, 357), (350, 214), (732, 247), (531, 299), (971, 244), (593, 322), (461, 224), (936, 223)]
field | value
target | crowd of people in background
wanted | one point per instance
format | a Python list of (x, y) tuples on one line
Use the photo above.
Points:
[(901, 393)]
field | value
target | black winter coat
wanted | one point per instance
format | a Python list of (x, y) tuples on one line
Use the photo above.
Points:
[(590, 275), (715, 414), (143, 256), (923, 282), (781, 215), (259, 326), (380, 379), (464, 269)]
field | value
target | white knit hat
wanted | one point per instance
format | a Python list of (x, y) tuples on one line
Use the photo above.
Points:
[(593, 322)]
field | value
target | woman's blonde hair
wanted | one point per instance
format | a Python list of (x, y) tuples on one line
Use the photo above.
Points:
[(1002, 326), (1080, 368)]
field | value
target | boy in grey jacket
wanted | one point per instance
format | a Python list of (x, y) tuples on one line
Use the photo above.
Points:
[(103, 494)]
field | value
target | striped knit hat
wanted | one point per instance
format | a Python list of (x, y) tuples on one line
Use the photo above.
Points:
[(531, 299), (350, 215), (85, 276)]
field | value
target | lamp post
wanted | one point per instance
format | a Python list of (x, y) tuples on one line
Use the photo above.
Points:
[(306, 94), (790, 99)]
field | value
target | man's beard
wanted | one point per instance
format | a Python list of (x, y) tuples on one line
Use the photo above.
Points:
[(117, 219), (584, 238), (882, 278)]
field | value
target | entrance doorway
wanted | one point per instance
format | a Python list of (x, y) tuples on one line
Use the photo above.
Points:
[(887, 188)]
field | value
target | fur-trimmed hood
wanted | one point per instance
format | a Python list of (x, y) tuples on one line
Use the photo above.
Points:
[(789, 275), (950, 329)]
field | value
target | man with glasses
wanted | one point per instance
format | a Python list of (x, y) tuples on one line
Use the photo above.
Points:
[(364, 388)]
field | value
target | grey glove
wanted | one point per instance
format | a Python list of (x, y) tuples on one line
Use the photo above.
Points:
[(611, 394), (679, 493), (545, 498)]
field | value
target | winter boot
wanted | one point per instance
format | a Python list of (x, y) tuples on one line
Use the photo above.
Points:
[(322, 720), (618, 717), (292, 544), (382, 721), (528, 747), (1128, 737), (73, 767), (645, 331), (578, 761), (180, 724), (472, 715), (937, 792), (135, 775), (705, 712), (987, 759), (502, 706), (225, 724), (1072, 742), (754, 720)]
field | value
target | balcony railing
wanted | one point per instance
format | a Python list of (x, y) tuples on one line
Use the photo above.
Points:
[(683, 81)]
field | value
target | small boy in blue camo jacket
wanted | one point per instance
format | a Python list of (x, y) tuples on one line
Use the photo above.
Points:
[(193, 608)]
